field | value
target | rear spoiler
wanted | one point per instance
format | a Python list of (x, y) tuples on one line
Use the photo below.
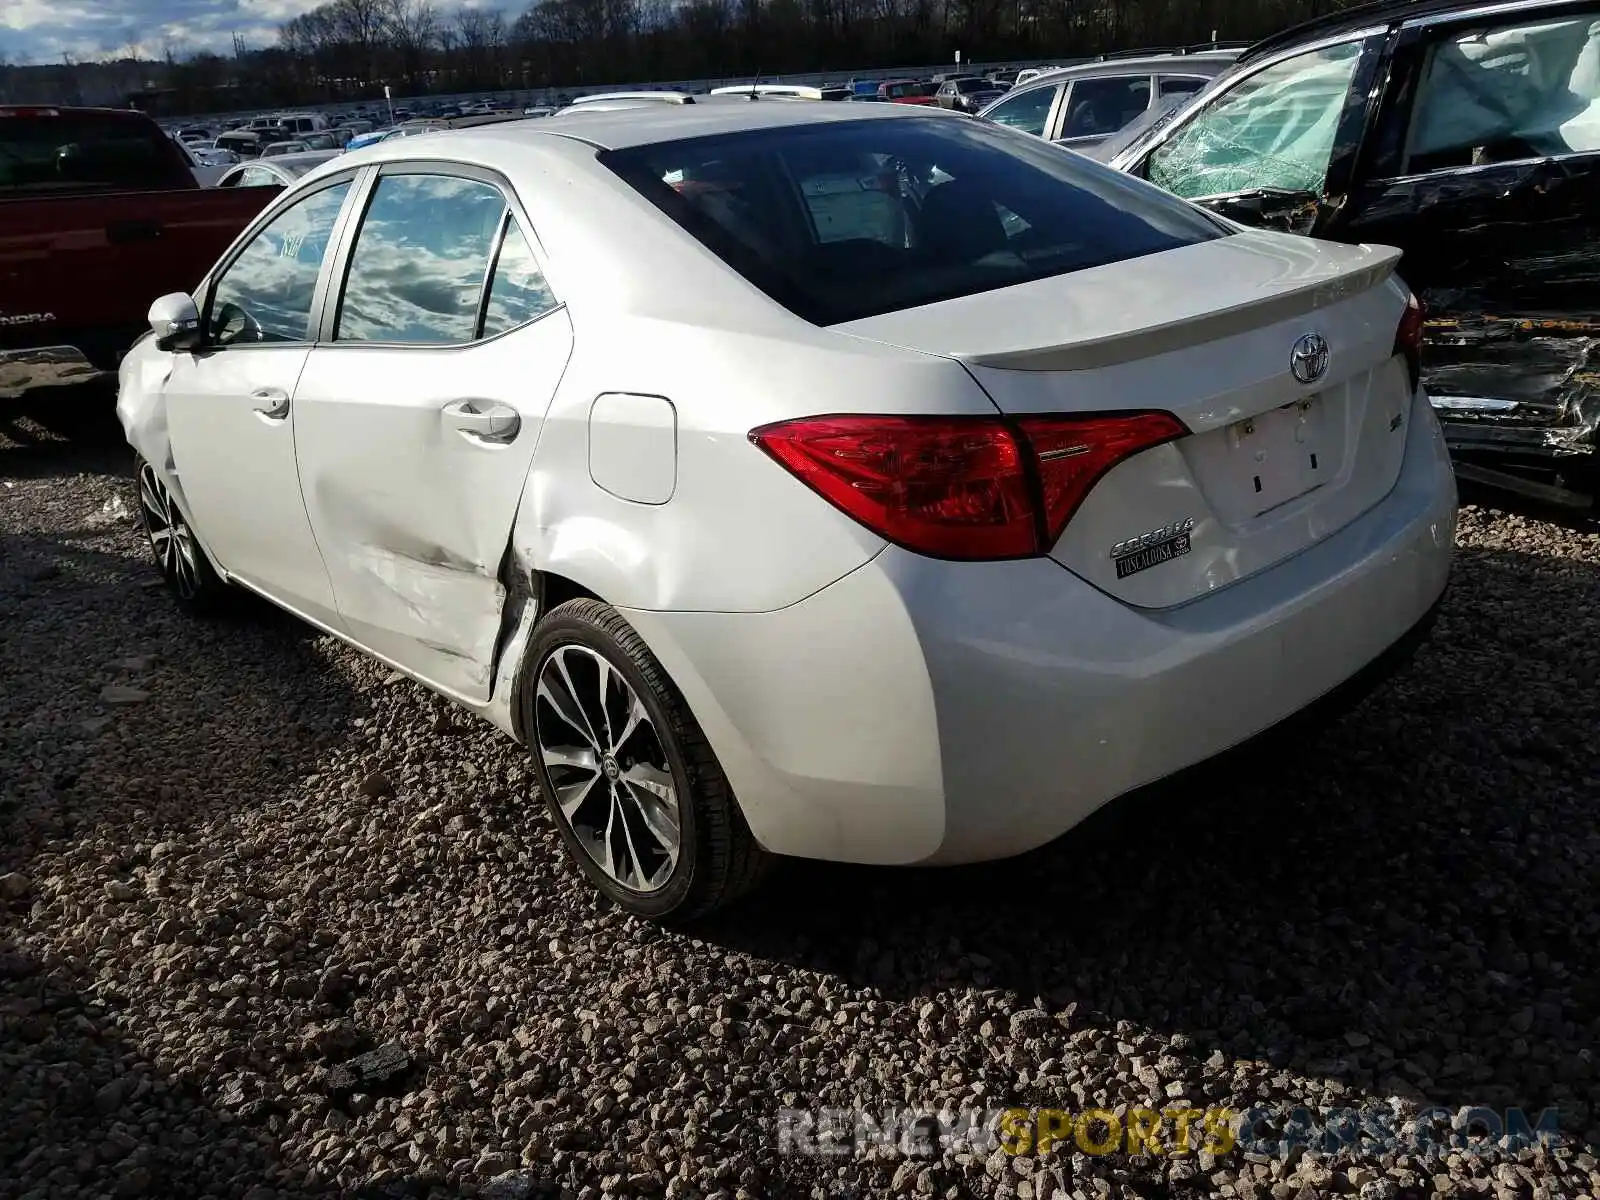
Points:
[(1094, 353)]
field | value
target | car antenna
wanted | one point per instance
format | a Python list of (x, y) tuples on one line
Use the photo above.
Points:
[(755, 82)]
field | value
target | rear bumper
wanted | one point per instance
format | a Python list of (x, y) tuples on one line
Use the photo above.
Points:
[(926, 711)]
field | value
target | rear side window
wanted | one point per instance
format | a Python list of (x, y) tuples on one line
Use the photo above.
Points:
[(41, 152), (416, 273), (854, 218), (1100, 107)]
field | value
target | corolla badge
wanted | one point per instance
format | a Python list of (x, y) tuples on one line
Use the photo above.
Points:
[(1309, 358)]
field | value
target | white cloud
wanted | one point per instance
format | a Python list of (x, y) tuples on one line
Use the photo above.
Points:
[(44, 30)]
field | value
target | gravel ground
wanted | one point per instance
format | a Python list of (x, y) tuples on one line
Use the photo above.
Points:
[(234, 854)]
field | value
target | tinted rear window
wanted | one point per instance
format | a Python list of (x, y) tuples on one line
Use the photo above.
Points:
[(845, 220), (74, 151)]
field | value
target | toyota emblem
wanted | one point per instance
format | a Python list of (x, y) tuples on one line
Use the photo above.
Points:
[(1309, 358)]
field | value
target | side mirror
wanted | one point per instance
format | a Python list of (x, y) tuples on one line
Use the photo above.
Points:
[(175, 322)]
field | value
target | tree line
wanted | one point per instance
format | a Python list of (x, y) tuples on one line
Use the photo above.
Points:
[(347, 50)]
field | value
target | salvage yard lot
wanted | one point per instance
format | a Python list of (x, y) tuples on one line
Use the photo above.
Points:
[(269, 854)]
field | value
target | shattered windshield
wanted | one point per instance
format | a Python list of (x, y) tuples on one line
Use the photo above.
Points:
[(1274, 129)]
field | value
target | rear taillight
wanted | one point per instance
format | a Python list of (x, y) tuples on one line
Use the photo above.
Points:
[(961, 488), (1408, 337), (1074, 452)]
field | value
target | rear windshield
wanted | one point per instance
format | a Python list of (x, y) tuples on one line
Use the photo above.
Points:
[(42, 153), (850, 219)]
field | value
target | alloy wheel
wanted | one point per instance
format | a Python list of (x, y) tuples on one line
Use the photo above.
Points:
[(170, 536), (608, 768)]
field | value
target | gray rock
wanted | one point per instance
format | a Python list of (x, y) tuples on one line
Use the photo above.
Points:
[(14, 885), (376, 785), (509, 1185), (120, 694), (109, 1098), (374, 1069)]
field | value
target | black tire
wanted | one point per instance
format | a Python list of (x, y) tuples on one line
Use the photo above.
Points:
[(718, 859), (196, 587)]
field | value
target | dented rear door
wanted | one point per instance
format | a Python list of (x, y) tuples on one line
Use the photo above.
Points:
[(418, 415)]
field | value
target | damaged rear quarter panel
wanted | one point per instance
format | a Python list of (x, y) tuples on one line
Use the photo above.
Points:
[(739, 534)]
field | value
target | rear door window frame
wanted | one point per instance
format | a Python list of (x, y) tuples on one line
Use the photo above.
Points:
[(343, 249)]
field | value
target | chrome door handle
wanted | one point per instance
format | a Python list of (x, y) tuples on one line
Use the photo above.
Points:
[(484, 421), (271, 403)]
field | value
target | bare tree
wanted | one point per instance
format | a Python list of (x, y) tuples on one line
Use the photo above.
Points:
[(413, 31), (342, 50), (480, 35)]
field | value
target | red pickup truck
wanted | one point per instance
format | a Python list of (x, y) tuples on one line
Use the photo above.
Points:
[(99, 215)]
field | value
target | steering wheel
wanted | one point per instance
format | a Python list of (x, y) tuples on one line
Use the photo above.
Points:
[(233, 325)]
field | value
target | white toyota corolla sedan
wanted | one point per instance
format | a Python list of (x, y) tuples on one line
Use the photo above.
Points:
[(854, 482)]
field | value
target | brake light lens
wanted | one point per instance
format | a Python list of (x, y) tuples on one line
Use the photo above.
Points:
[(958, 487), (1408, 337), (1074, 452)]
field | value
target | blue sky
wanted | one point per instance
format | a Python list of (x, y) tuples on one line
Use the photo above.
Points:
[(42, 30)]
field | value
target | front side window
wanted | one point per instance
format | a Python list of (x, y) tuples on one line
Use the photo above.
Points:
[(265, 294), (1274, 129), (1100, 107), (421, 254), (1027, 111), (850, 219), (1507, 92)]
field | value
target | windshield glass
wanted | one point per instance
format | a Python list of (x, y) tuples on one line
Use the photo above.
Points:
[(850, 219)]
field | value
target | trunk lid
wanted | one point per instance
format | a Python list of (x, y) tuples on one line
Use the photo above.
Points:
[(1209, 332)]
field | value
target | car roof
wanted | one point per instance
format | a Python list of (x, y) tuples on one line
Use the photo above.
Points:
[(660, 97), (648, 124), (1202, 62), (303, 158)]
